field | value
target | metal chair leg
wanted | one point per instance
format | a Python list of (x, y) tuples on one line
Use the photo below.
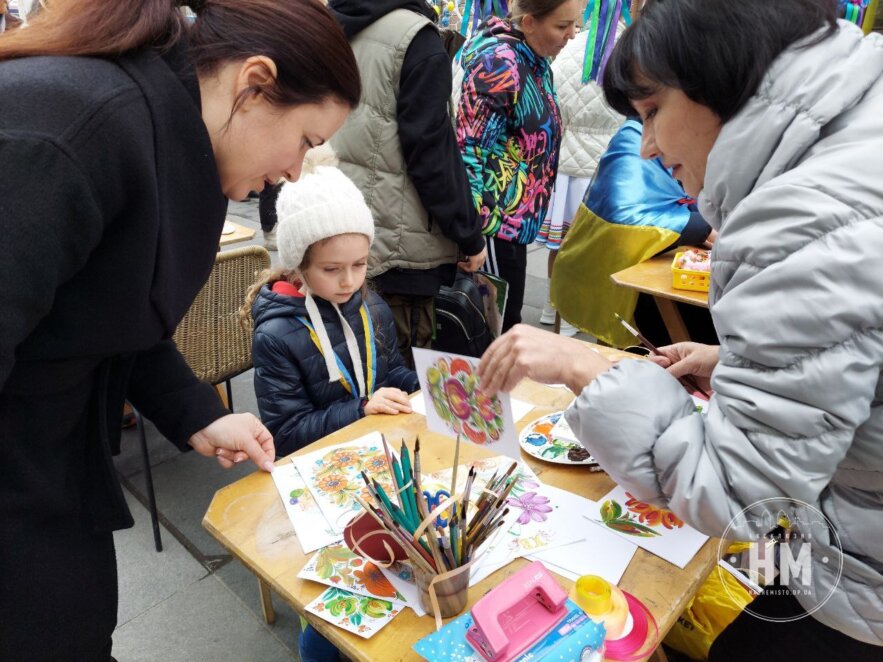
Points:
[(148, 479), (229, 386)]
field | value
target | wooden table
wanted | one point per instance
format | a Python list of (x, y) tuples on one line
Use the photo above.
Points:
[(248, 519), (240, 233), (653, 277)]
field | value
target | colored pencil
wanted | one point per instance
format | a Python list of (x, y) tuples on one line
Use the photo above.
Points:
[(388, 455), (409, 484)]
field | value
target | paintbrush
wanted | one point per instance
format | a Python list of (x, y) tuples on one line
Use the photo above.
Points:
[(687, 380), (454, 472)]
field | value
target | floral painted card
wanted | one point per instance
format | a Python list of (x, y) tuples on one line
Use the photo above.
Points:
[(359, 614), (657, 530), (312, 529), (333, 476), (401, 575), (456, 405), (336, 565)]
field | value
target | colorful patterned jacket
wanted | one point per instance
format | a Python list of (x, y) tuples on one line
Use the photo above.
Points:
[(509, 131)]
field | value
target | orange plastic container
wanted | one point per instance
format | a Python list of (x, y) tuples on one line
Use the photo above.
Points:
[(687, 279)]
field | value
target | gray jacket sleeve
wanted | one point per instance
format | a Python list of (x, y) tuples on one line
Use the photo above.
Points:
[(800, 362)]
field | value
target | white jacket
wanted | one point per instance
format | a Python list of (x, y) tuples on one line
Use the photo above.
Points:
[(588, 122)]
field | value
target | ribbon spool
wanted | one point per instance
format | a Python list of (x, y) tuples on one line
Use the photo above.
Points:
[(618, 610)]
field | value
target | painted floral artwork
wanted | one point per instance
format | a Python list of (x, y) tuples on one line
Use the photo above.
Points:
[(310, 524), (539, 440), (456, 405), (337, 566), (358, 614), (333, 476), (657, 530), (640, 519), (459, 401)]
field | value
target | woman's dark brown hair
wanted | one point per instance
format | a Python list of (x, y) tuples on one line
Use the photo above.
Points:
[(313, 58)]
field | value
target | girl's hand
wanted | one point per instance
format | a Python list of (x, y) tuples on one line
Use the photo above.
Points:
[(234, 438), (689, 358), (388, 400)]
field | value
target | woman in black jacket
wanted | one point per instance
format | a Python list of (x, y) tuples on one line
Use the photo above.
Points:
[(116, 169)]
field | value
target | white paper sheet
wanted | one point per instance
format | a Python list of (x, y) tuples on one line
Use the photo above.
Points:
[(601, 553), (361, 615)]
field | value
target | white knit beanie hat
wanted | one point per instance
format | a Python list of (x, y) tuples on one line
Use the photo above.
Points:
[(321, 204)]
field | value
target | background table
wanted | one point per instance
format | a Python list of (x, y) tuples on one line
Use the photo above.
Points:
[(240, 233), (248, 519), (653, 277)]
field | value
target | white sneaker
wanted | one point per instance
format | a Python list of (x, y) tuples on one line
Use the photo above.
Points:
[(567, 330), (270, 239), (548, 315)]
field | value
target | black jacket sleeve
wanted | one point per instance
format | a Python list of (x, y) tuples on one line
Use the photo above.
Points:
[(165, 390), (429, 144), (285, 406), (695, 231)]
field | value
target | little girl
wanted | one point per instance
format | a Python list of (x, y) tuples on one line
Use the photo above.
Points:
[(325, 349), (325, 352)]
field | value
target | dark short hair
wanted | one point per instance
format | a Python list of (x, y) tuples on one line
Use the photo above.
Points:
[(715, 51)]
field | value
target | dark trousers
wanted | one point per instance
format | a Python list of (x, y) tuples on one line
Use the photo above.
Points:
[(508, 260), (754, 639), (58, 592), (413, 316), (267, 206)]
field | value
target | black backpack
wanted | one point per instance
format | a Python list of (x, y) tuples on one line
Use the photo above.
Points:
[(460, 324)]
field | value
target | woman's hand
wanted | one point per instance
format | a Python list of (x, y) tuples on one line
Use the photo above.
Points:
[(524, 351), (689, 358), (388, 400), (235, 438)]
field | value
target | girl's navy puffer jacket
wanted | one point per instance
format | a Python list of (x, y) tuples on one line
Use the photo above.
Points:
[(297, 402)]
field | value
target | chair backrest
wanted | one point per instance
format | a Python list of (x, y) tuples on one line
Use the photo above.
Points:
[(210, 337)]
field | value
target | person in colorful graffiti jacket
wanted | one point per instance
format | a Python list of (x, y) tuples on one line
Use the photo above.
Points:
[(509, 130)]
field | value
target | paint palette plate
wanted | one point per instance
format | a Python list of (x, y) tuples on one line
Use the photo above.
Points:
[(537, 440)]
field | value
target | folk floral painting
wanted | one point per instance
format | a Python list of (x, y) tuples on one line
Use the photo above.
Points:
[(359, 614), (333, 476), (310, 525), (657, 530), (337, 566), (456, 405)]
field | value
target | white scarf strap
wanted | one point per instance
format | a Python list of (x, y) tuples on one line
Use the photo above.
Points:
[(352, 344)]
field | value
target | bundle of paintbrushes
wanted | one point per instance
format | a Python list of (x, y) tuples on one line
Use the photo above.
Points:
[(434, 548)]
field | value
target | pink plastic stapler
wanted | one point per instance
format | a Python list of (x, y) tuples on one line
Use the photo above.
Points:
[(515, 614)]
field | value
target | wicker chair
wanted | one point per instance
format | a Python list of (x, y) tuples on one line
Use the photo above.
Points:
[(211, 339)]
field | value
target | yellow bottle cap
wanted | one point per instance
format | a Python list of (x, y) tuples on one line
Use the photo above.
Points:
[(593, 595)]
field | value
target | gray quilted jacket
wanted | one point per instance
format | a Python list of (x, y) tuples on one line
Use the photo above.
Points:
[(795, 186), (588, 122)]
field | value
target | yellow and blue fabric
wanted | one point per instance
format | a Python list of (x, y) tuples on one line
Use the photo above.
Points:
[(346, 380), (633, 210)]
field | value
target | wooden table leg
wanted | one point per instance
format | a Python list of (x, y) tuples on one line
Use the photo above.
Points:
[(222, 393), (266, 602), (672, 319)]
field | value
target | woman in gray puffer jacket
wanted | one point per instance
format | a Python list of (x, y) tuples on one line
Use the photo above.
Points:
[(783, 143)]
